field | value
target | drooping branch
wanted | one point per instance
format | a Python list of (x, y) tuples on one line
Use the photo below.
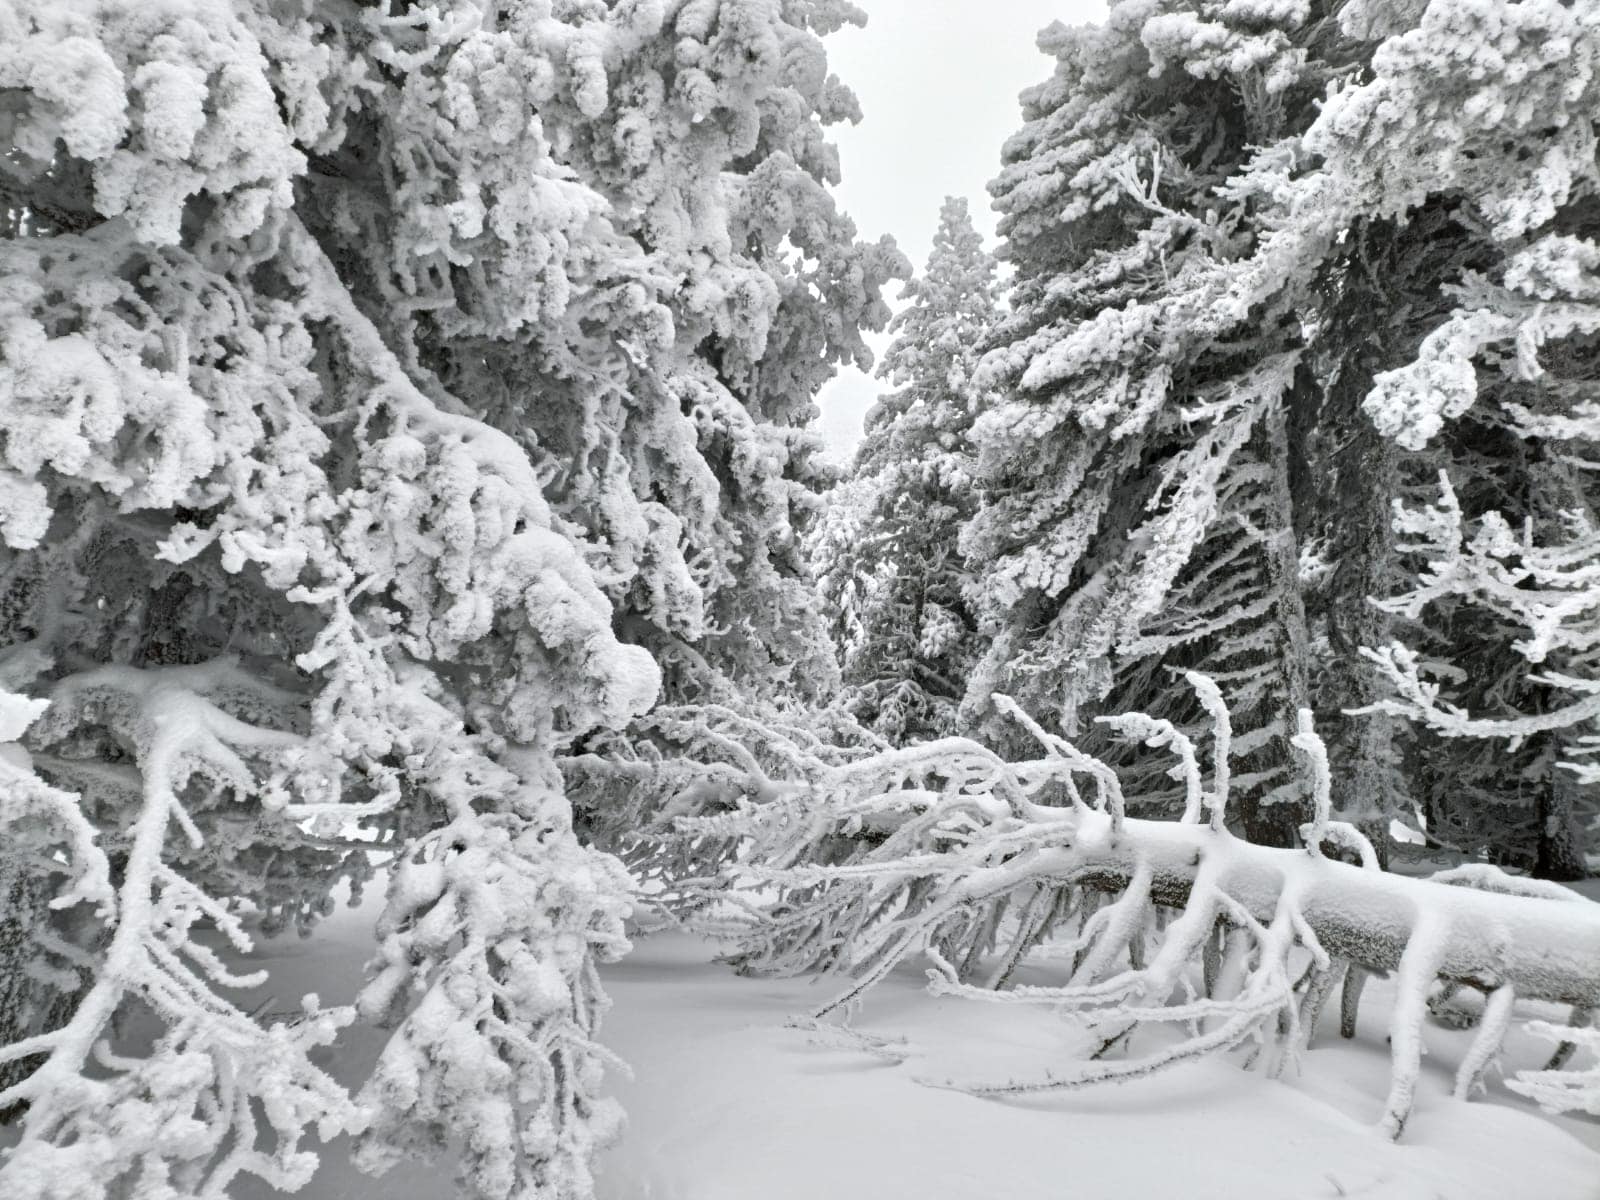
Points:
[(213, 1064)]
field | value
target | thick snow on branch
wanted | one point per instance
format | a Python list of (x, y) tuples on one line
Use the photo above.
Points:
[(487, 964), (189, 1105)]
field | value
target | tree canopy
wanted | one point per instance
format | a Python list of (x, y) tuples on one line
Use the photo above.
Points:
[(405, 479)]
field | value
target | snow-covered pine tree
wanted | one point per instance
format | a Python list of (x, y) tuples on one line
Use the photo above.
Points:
[(691, 320), (886, 550), (1505, 709), (707, 476), (1383, 292), (1138, 517), (357, 365), (1467, 158), (1203, 263)]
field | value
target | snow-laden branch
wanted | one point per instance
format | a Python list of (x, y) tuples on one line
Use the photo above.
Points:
[(692, 761), (1559, 1090), (1547, 590), (487, 966), (190, 1105)]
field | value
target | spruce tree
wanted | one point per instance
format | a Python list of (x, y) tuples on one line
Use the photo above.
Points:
[(1469, 152), (888, 556), (370, 379), (1263, 259), (1138, 511)]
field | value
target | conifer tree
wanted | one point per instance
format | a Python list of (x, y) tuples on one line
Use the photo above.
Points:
[(1258, 252), (370, 378), (888, 555), (1470, 149), (1138, 515)]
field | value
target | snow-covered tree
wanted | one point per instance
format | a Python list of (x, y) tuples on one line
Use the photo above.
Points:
[(1520, 712), (1138, 514), (887, 551), (1258, 249), (369, 379), (699, 288), (1470, 148)]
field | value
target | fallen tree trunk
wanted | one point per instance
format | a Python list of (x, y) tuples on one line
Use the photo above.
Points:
[(1546, 944), (945, 850)]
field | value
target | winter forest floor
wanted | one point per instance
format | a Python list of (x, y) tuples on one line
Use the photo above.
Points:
[(729, 1103)]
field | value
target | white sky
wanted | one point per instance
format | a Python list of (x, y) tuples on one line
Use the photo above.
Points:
[(938, 82)]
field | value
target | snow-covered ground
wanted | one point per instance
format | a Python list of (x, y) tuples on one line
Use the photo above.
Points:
[(729, 1103)]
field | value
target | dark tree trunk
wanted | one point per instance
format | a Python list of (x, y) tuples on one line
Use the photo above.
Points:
[(1278, 824), (27, 1005), (1560, 855)]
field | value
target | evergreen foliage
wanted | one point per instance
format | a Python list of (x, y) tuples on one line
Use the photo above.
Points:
[(403, 449), (1271, 265), (380, 389), (887, 552)]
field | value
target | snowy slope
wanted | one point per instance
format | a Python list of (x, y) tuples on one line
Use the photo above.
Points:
[(728, 1103)]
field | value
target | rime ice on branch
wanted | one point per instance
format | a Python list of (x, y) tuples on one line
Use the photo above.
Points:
[(369, 381), (1277, 265)]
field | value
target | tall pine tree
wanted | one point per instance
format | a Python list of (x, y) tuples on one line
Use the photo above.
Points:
[(887, 550), (1137, 517), (1264, 257)]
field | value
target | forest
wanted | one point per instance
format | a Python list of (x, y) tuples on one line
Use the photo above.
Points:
[(418, 552)]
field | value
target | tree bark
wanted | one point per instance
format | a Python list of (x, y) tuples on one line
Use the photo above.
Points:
[(1560, 855), (1278, 823)]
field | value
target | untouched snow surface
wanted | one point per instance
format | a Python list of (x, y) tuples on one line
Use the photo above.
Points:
[(728, 1103)]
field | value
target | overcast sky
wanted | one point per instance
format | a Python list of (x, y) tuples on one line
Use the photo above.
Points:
[(938, 82)]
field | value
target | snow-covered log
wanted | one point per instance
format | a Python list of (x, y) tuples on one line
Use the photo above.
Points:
[(947, 850)]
